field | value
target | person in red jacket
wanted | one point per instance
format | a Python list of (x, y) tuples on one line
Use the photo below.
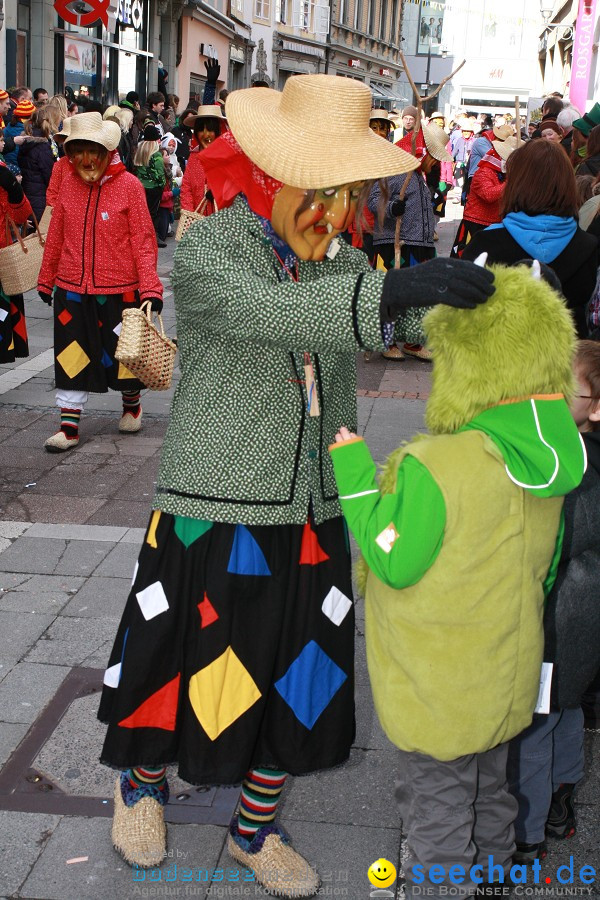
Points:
[(13, 328), (100, 258), (483, 202), (208, 124)]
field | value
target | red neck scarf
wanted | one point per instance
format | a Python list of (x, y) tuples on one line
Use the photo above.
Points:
[(230, 172)]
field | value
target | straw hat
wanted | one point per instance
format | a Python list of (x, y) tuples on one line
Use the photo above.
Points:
[(502, 132), (205, 112), (437, 115), (91, 127), (466, 125), (283, 132), (380, 114), (505, 148), (435, 141)]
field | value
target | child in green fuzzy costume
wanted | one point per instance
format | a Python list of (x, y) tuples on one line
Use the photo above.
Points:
[(460, 544)]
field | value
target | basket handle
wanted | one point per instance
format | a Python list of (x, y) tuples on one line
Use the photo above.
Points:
[(146, 307), (18, 234), (41, 238)]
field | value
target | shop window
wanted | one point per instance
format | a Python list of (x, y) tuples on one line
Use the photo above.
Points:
[(262, 9)]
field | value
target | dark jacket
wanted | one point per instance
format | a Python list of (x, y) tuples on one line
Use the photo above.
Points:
[(572, 618), (590, 166), (185, 135), (36, 162), (576, 266), (417, 221)]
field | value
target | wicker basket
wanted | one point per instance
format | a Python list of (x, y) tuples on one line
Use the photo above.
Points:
[(21, 261), (144, 350), (187, 217)]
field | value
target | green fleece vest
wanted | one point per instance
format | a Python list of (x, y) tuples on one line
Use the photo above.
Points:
[(455, 659)]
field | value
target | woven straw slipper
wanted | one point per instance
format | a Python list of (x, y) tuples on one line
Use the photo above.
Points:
[(276, 865), (139, 832)]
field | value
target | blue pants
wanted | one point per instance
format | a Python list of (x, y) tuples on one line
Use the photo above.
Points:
[(547, 754)]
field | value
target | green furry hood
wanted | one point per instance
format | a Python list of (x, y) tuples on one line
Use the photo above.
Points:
[(520, 342)]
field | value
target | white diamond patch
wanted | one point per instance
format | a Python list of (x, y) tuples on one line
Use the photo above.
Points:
[(112, 676), (3, 315), (152, 600), (336, 606), (117, 328)]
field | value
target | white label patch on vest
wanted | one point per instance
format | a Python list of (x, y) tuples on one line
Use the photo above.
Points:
[(104, 216), (333, 249), (387, 538), (543, 700)]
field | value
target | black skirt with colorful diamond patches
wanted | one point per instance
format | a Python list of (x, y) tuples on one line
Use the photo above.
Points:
[(235, 650), (86, 333), (13, 328)]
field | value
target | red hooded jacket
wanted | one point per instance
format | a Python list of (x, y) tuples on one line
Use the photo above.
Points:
[(487, 187), (101, 239)]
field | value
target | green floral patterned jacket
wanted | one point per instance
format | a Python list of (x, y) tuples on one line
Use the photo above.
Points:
[(241, 446)]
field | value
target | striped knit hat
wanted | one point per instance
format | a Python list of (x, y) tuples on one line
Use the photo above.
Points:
[(3, 94), (23, 110)]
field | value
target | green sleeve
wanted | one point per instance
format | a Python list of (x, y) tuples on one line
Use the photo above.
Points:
[(157, 170), (224, 288), (553, 570), (399, 534)]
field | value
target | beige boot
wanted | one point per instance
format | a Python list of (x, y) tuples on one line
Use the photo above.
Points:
[(275, 863), (139, 832), (59, 442), (129, 424)]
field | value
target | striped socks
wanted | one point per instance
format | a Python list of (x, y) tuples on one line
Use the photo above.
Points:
[(261, 790), (131, 403), (69, 422), (143, 782)]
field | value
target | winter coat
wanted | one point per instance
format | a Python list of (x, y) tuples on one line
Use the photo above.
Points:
[(60, 170), (590, 166), (576, 266), (152, 175), (461, 151), (487, 187), (572, 617), (242, 330), (18, 212), (481, 145), (185, 135), (101, 239), (36, 161), (417, 221), (13, 130)]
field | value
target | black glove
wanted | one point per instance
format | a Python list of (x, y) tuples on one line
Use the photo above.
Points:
[(213, 70), (455, 282), (209, 196), (10, 185), (156, 304), (47, 298), (397, 208)]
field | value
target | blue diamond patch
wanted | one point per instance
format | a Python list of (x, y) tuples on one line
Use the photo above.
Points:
[(310, 683)]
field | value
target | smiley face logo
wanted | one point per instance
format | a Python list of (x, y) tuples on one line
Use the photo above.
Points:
[(382, 873)]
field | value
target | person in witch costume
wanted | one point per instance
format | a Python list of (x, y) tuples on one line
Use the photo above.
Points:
[(100, 259), (234, 656)]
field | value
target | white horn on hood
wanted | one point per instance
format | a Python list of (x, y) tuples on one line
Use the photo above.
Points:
[(536, 270), (481, 260)]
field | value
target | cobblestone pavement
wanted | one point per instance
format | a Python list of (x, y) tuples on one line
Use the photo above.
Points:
[(70, 530)]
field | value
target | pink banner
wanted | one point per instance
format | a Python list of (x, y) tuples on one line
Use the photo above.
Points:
[(582, 54)]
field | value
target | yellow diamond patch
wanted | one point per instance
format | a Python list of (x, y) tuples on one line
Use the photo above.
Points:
[(73, 359), (124, 372), (221, 692)]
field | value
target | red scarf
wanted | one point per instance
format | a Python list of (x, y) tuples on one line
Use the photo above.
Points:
[(230, 172)]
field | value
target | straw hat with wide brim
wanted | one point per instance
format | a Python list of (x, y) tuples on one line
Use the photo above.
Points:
[(503, 132), (92, 127), (380, 114), (505, 148), (435, 141), (283, 133), (205, 112), (466, 125)]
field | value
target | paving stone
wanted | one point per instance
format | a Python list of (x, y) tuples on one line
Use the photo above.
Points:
[(7, 664), (46, 602), (75, 532), (13, 529), (33, 555), (124, 512), (11, 736), (94, 483), (81, 557), (120, 562), (20, 630), (69, 640), (45, 583), (45, 508), (134, 535), (99, 597), (27, 689), (141, 486), (22, 839), (104, 875)]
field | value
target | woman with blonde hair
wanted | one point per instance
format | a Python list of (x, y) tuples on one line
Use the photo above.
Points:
[(150, 169), (124, 119), (57, 110), (37, 156)]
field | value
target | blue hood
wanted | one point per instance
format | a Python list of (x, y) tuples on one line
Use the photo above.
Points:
[(542, 237)]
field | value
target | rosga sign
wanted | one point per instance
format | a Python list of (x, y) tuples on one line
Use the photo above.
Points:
[(582, 54)]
